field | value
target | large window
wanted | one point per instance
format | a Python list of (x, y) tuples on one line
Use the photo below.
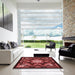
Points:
[(40, 24)]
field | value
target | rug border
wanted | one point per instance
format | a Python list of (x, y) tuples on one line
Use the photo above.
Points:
[(37, 68)]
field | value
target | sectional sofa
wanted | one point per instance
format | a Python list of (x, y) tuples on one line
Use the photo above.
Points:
[(7, 56)]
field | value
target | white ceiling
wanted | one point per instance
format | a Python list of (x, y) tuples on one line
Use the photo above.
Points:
[(29, 1), (34, 4), (39, 6)]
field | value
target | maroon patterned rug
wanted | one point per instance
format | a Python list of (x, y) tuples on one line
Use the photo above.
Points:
[(37, 62)]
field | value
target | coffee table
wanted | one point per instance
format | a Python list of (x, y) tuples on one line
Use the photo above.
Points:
[(41, 53)]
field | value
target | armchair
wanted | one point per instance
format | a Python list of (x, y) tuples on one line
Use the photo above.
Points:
[(69, 52), (51, 45)]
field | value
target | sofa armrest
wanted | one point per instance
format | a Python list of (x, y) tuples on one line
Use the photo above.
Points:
[(6, 56)]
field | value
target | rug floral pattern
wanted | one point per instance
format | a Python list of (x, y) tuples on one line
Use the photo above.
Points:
[(37, 62)]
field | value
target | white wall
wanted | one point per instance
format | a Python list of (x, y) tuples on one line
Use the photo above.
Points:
[(6, 35)]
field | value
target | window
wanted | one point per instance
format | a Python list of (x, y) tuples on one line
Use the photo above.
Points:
[(40, 23)]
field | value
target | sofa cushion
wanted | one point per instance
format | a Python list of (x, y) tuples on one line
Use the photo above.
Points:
[(17, 51)]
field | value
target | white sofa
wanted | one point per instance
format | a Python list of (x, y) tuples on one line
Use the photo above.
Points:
[(9, 55)]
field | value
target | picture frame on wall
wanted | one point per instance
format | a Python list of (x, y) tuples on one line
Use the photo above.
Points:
[(1, 15), (6, 17)]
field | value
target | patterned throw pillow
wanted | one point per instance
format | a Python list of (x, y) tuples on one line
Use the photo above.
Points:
[(3, 45), (13, 44), (9, 46)]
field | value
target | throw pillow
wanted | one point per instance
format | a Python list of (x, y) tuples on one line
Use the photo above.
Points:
[(71, 45), (3, 45), (13, 44), (72, 48), (9, 46)]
